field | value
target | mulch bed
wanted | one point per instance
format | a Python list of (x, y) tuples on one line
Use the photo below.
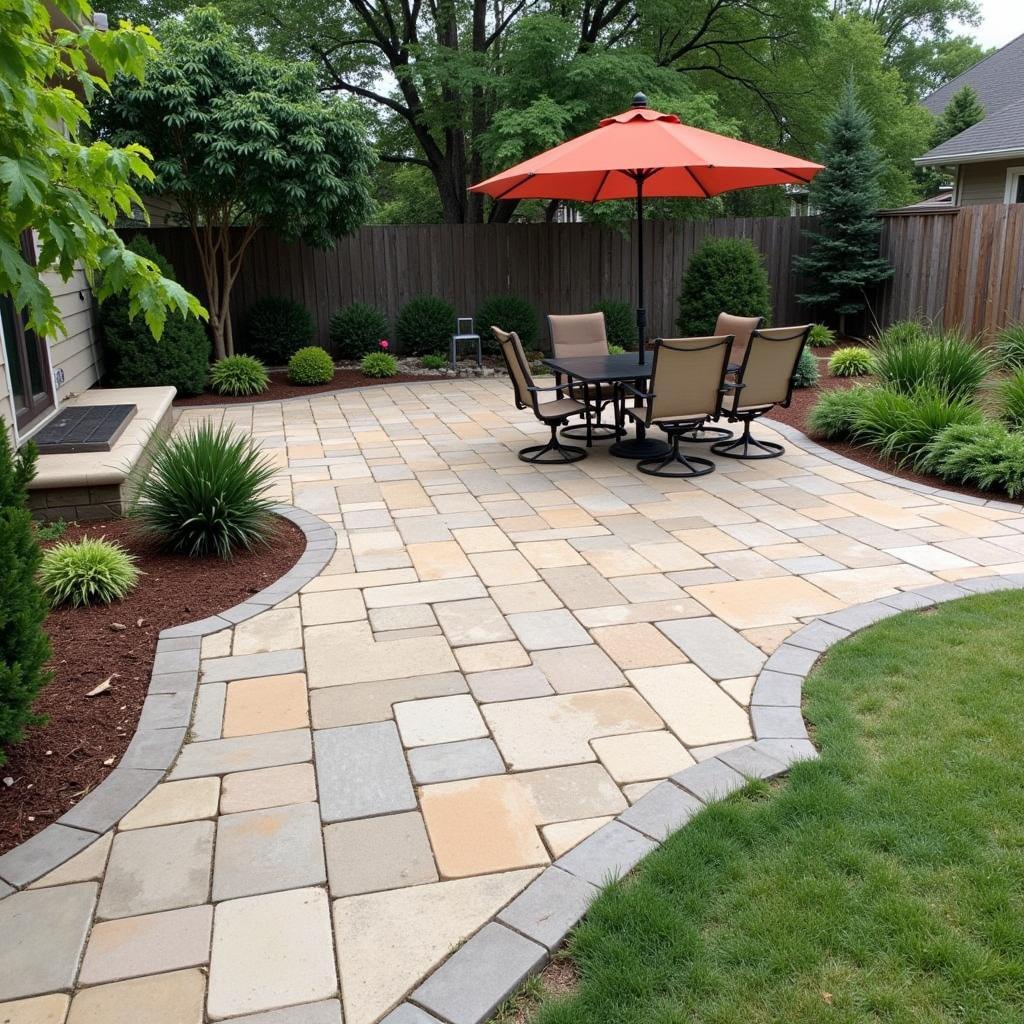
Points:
[(84, 737), (280, 388)]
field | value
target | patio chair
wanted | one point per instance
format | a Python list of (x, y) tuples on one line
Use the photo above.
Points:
[(765, 380), (583, 334), (553, 413), (686, 389)]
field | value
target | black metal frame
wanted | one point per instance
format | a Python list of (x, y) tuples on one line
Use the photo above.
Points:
[(566, 452), (593, 430)]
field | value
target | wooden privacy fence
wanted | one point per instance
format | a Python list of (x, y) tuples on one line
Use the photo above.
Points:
[(962, 266)]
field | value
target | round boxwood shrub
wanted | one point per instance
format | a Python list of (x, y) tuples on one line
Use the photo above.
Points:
[(619, 322), (239, 375), (275, 328), (851, 362), (379, 364), (425, 324), (88, 571), (807, 373), (311, 365), (510, 313), (725, 275), (821, 336), (356, 330), (134, 358)]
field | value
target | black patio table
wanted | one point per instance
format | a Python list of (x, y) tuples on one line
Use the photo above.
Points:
[(592, 371)]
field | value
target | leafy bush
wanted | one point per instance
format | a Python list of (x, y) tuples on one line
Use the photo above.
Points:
[(379, 364), (424, 325), (850, 362), (1010, 347), (311, 365), (807, 373), (434, 362), (616, 350), (984, 455), (356, 329), (908, 358), (725, 275), (134, 358), (53, 530), (24, 646), (619, 323), (239, 375), (821, 336), (89, 571), (205, 492), (835, 415), (275, 328), (510, 313), (1011, 400)]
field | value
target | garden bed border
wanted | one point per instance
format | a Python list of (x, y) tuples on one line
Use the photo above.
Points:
[(165, 719)]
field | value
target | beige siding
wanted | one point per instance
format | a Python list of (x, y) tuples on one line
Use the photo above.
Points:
[(77, 352), (984, 182), (6, 409)]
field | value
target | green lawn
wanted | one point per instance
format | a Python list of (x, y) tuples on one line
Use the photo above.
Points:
[(882, 883)]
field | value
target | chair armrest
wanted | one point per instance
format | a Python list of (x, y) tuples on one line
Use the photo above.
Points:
[(731, 386), (634, 391), (557, 387)]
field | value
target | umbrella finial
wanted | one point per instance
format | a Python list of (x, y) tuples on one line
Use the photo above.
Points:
[(639, 100)]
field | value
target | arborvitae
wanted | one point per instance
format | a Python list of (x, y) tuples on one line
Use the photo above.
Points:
[(24, 646), (962, 111), (844, 265)]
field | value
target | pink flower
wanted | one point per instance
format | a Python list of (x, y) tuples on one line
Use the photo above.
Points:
[(384, 344)]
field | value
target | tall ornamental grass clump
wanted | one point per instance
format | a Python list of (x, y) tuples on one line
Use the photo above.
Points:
[(205, 493), (239, 376), (1011, 400), (908, 357), (1010, 347), (834, 416)]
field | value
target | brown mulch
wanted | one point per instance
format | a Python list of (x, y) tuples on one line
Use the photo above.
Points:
[(58, 762), (280, 387)]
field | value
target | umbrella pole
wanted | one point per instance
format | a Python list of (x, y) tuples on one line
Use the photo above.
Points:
[(641, 312)]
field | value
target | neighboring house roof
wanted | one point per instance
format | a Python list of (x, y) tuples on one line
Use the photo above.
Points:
[(996, 79), (999, 136)]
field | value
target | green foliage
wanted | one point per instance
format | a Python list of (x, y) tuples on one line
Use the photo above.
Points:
[(69, 192), (616, 350), (1010, 347), (407, 194), (909, 358), (239, 375), (821, 336), (807, 373), (435, 361), (425, 324), (312, 365), (24, 646), (835, 415), (379, 364), (843, 264), (987, 456), (725, 275), (356, 330), (963, 110), (852, 361), (275, 328), (180, 357), (902, 332), (1011, 400), (510, 313), (88, 571), (54, 530), (619, 322), (239, 137), (205, 492)]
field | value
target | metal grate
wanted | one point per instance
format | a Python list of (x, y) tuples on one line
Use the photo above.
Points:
[(84, 428)]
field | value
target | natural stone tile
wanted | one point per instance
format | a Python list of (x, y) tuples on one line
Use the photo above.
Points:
[(550, 554), (640, 756), (491, 657), (217, 645), (638, 645), (582, 587), (549, 907), (708, 539), (175, 998), (439, 720), (538, 631), (817, 636), (777, 722), (246, 666), (43, 852), (48, 927), (153, 749), (361, 771), (269, 704), (174, 802), (439, 560), (155, 869), (525, 597), (427, 592), (660, 811), (671, 556), (509, 684), (645, 611), (607, 855), (562, 836), (649, 587), (267, 850), (270, 951), (208, 717), (549, 731), (50, 1009), (693, 707), (503, 568), (753, 762), (151, 944), (714, 647), (268, 787), (710, 780), (275, 630), (465, 759), (86, 866), (412, 616), (792, 659), (358, 703), (579, 668), (476, 539), (332, 606), (387, 941), (618, 561), (748, 603), (243, 753), (480, 975), (406, 1013), (326, 1011), (739, 689), (476, 621), (372, 854), (869, 584), (359, 580)]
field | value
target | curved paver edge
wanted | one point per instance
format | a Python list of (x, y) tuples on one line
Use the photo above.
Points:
[(165, 719), (519, 940)]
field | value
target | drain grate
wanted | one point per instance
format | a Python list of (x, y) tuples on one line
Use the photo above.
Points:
[(84, 428)]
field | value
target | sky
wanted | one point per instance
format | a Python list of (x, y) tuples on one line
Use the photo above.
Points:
[(1002, 20)]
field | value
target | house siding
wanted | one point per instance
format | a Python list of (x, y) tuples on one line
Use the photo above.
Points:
[(984, 182)]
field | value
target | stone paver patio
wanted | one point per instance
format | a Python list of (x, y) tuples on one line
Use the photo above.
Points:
[(498, 660)]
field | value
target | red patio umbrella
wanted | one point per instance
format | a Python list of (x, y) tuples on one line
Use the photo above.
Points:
[(643, 153)]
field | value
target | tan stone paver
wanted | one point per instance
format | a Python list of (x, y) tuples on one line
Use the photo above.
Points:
[(477, 615)]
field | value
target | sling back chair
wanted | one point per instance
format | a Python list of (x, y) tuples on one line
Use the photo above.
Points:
[(553, 413), (686, 389), (583, 334), (765, 379), (740, 327)]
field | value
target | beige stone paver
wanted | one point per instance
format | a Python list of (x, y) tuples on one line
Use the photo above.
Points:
[(472, 600)]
